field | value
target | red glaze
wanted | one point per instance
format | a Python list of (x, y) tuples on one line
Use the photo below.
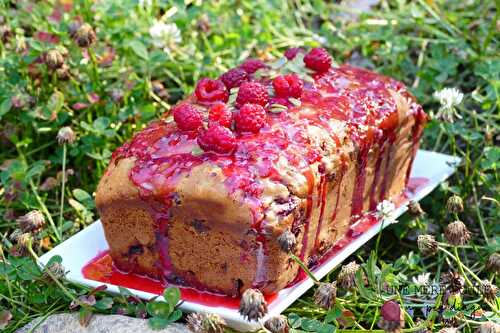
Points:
[(101, 269), (358, 98)]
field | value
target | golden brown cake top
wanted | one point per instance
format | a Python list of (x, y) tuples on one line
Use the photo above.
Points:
[(265, 124)]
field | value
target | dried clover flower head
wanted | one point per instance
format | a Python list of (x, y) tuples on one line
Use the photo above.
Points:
[(325, 295), (205, 323), (489, 290), (63, 73), (457, 233), (455, 204), (84, 35), (14, 236), (32, 222), (493, 263), (54, 59), (56, 269), (347, 276), (415, 209), (48, 184), (427, 244), (287, 241), (277, 324), (25, 240), (488, 327), (392, 317), (453, 282), (253, 306), (66, 135)]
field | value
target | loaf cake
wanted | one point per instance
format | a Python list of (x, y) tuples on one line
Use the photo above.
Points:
[(299, 147)]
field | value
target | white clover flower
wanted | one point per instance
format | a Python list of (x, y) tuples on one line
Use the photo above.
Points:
[(422, 279), (165, 36), (449, 98), (385, 211)]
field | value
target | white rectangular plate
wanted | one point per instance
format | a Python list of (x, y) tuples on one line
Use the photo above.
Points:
[(88, 243)]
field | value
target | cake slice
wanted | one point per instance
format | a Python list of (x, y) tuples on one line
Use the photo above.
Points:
[(298, 148)]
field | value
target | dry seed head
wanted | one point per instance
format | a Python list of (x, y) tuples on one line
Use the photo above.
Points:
[(56, 269), (54, 59), (277, 324), (457, 233), (25, 240), (63, 73), (455, 204), (427, 244), (493, 263), (326, 295), (32, 222), (253, 306), (453, 282), (489, 290), (287, 241), (84, 35), (66, 135), (205, 323), (48, 184), (14, 236), (347, 276), (415, 209)]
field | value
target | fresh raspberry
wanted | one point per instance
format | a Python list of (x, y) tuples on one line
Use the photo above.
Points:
[(220, 114), (208, 90), (318, 59), (289, 85), (250, 118), (187, 117), (217, 139), (234, 77), (252, 65), (292, 52), (252, 92)]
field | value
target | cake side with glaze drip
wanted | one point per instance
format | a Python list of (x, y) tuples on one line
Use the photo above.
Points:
[(200, 197)]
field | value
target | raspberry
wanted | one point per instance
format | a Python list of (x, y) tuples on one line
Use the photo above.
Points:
[(234, 77), (250, 118), (318, 59), (208, 90), (289, 85), (252, 92), (187, 117), (217, 139), (220, 114), (292, 52), (252, 65)]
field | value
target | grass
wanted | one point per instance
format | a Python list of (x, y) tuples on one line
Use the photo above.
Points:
[(124, 80)]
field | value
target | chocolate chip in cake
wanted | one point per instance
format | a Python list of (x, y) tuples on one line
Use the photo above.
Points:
[(135, 250), (200, 226), (176, 199)]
